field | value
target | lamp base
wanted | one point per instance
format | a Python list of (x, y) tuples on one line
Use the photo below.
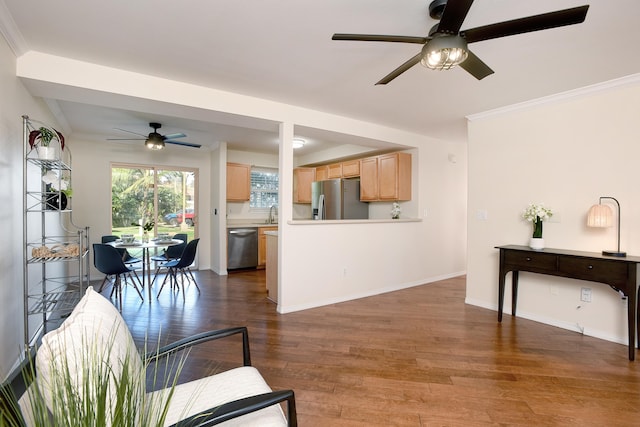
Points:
[(615, 253)]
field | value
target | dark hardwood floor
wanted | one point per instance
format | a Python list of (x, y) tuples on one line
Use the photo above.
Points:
[(417, 357)]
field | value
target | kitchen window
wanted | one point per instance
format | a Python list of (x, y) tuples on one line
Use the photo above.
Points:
[(264, 188)]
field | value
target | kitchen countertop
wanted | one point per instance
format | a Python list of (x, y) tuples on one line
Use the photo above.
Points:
[(249, 223)]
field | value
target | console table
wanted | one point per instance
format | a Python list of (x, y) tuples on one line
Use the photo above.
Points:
[(621, 274)]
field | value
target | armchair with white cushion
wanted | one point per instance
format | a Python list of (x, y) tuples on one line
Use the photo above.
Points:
[(238, 397)]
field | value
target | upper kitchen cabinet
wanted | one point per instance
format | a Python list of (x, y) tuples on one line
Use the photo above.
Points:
[(346, 169), (386, 177), (322, 173), (334, 171), (302, 179), (351, 168), (238, 182), (369, 179)]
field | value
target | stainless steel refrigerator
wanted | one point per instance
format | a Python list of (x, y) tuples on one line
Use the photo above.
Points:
[(337, 199)]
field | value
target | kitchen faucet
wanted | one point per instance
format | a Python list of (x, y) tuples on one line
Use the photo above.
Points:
[(272, 218)]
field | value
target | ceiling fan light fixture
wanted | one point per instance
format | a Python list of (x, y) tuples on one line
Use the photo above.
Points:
[(154, 142), (444, 52), (298, 142)]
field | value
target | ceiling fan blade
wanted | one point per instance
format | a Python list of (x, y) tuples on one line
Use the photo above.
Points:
[(559, 18), (474, 66), (126, 139), (453, 16), (401, 69), (174, 135), (186, 144), (379, 38), (128, 131)]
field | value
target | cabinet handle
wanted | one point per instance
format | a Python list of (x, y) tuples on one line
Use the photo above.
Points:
[(590, 267), (528, 259)]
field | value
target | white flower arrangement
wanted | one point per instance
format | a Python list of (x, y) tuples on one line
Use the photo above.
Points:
[(53, 179), (395, 210), (536, 214)]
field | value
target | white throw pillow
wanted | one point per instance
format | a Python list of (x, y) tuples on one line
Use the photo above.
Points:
[(93, 341)]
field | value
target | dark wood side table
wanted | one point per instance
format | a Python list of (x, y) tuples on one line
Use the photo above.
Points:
[(621, 274)]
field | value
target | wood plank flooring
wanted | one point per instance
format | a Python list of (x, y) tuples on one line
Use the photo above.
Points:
[(417, 357)]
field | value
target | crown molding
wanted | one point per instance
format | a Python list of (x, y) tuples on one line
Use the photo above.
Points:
[(633, 79), (10, 31)]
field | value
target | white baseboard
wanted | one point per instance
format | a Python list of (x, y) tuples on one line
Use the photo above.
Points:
[(350, 297), (595, 333)]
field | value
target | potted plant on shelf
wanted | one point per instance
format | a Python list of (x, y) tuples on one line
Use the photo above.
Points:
[(45, 135), (536, 214)]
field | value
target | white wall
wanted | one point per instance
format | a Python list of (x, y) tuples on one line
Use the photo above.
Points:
[(218, 194), (566, 152), (16, 101)]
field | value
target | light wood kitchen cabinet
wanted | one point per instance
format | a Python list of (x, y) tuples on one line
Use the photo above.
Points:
[(394, 176), (351, 168), (386, 177), (262, 245), (334, 170), (347, 169), (238, 182), (302, 179), (369, 179), (322, 173)]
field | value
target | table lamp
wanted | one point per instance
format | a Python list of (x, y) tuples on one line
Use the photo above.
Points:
[(601, 216)]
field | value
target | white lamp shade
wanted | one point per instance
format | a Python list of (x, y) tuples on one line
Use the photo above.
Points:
[(600, 216)]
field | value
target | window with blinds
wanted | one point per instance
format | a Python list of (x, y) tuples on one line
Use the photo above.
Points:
[(264, 188)]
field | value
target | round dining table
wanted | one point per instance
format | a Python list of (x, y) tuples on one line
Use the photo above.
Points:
[(146, 258)]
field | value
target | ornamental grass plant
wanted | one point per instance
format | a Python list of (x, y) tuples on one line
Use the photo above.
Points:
[(89, 391)]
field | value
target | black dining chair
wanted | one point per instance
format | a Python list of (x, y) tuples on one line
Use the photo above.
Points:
[(181, 266), (170, 253), (128, 259), (126, 256), (108, 261)]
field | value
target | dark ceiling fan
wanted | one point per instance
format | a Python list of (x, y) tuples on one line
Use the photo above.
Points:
[(154, 140), (446, 45)]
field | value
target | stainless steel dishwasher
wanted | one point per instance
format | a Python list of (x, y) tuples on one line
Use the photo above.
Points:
[(242, 248)]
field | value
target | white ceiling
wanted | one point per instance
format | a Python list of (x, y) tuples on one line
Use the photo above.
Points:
[(282, 50)]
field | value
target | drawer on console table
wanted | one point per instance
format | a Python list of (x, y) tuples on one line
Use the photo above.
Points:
[(528, 261), (595, 270)]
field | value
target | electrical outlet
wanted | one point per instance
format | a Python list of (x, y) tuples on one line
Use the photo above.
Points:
[(585, 294)]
